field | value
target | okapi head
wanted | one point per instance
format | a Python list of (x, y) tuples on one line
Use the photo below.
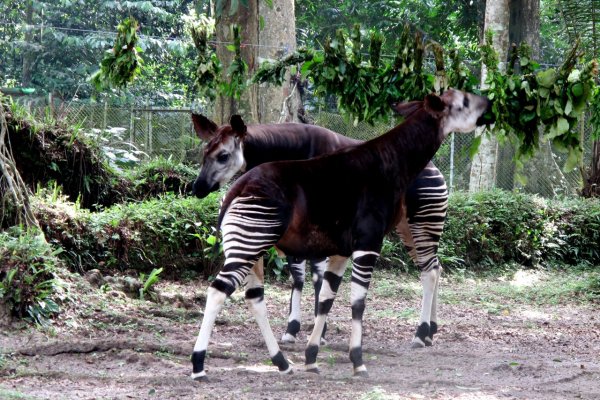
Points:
[(457, 111), (223, 154)]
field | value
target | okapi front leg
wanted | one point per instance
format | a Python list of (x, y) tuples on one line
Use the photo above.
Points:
[(297, 268), (331, 283), (362, 270), (318, 269), (255, 298), (214, 302)]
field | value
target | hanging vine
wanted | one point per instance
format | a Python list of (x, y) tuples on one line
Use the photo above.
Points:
[(238, 69), (208, 66), (122, 63)]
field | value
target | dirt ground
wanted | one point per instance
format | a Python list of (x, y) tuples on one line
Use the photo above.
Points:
[(107, 346)]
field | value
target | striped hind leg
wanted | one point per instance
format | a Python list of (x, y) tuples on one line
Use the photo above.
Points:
[(331, 282), (255, 298), (421, 234), (248, 230)]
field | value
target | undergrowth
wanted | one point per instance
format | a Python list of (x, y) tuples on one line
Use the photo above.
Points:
[(28, 283)]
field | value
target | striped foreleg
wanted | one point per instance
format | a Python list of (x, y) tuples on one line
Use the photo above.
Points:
[(297, 269), (318, 267), (255, 298), (331, 282), (362, 270)]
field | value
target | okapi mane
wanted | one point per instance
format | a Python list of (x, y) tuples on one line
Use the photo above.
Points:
[(407, 109)]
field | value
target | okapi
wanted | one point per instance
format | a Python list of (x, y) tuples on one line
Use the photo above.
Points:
[(423, 210), (339, 205)]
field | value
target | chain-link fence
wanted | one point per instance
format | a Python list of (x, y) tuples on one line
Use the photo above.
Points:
[(149, 131), (169, 132)]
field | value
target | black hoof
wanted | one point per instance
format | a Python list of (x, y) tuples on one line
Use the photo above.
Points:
[(313, 370)]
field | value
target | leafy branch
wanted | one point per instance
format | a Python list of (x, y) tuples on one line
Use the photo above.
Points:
[(208, 66), (526, 98), (238, 69), (122, 63)]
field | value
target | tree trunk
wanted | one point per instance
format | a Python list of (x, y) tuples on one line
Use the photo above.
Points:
[(267, 33), (591, 184), (483, 168), (28, 57), (525, 24), (248, 20), (277, 39)]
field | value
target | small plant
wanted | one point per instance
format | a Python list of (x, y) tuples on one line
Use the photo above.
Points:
[(28, 284), (119, 151), (149, 281), (276, 264)]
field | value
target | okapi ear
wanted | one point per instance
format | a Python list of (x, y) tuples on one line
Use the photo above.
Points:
[(204, 127), (238, 125), (406, 109), (434, 105)]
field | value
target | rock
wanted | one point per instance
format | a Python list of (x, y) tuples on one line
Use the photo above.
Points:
[(94, 277)]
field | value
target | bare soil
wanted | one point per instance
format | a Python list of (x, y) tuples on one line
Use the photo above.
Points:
[(490, 346)]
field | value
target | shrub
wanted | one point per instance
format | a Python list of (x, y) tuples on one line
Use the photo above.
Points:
[(169, 231), (28, 285), (161, 175), (486, 229)]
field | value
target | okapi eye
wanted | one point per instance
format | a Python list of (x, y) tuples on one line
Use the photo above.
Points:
[(222, 158), (466, 102)]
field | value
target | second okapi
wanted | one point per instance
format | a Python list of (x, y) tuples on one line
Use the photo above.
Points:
[(422, 212), (340, 205)]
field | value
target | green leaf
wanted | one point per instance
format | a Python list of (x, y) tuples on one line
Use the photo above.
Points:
[(233, 8), (547, 78), (560, 127), (568, 107), (573, 159), (475, 146), (577, 89)]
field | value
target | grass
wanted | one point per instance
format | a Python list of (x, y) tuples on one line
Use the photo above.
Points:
[(7, 394), (525, 286)]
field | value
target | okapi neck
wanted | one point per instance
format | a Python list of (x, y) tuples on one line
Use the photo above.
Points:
[(408, 148)]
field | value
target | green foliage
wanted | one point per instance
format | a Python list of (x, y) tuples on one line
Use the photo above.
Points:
[(160, 175), (237, 70), (122, 64), (488, 229), (170, 231), (28, 284), (275, 264), (551, 99), (149, 281), (208, 66)]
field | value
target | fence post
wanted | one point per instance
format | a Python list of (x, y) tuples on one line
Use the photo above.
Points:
[(150, 132), (451, 187), (131, 126), (105, 116)]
